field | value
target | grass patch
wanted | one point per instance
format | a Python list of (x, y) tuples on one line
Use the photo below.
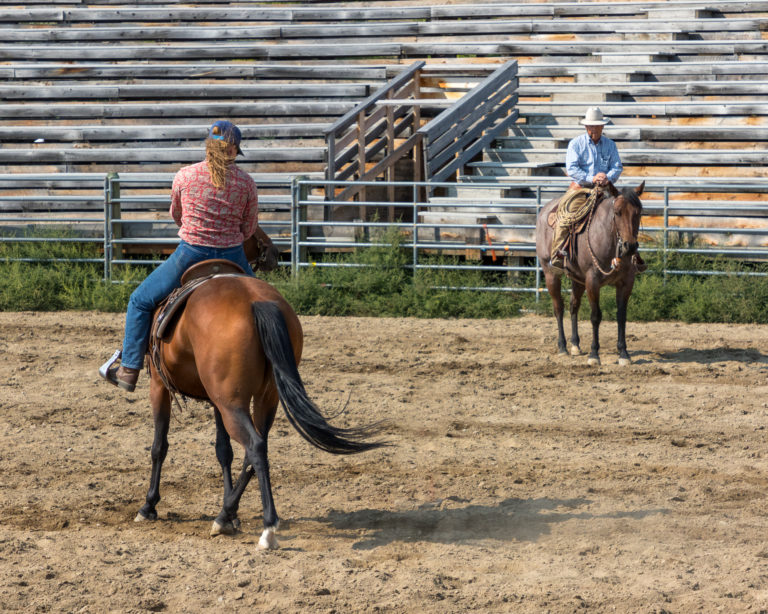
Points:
[(376, 281)]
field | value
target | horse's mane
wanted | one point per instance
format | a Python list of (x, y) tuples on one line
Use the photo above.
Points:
[(631, 196)]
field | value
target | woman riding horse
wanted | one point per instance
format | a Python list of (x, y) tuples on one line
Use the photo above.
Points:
[(216, 206)]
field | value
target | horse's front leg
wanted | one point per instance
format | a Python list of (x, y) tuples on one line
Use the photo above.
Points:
[(596, 316), (577, 291), (554, 289), (161, 410), (623, 292)]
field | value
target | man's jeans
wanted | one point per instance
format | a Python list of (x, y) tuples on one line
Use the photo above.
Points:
[(159, 284)]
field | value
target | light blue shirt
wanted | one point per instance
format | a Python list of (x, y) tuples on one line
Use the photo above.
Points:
[(584, 159)]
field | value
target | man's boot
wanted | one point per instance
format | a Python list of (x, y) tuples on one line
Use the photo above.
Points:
[(557, 259)]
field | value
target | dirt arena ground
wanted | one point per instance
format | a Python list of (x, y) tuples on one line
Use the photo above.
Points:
[(518, 480)]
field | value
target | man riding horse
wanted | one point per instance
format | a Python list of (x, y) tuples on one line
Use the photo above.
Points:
[(592, 160)]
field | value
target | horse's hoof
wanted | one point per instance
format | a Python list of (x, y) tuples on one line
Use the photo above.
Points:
[(575, 350), (623, 362), (228, 528), (268, 540), (140, 517), (593, 361)]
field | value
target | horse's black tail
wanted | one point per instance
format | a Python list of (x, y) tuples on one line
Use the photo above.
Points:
[(302, 413)]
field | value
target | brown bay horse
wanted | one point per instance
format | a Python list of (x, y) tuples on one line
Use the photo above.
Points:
[(601, 255), (237, 345)]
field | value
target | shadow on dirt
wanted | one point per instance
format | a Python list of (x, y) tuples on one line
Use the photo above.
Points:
[(722, 354), (511, 520)]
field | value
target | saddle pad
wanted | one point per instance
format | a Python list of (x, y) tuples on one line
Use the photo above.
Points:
[(207, 268)]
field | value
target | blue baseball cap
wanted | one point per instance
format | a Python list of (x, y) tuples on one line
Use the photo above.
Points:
[(223, 130)]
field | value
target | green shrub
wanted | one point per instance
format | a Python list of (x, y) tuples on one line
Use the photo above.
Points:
[(377, 281)]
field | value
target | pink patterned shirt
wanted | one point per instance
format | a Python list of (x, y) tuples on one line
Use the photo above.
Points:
[(211, 216)]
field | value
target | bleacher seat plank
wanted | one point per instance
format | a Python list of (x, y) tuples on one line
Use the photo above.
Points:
[(86, 70), (287, 32), (351, 13), (738, 69), (665, 88), (177, 109), (250, 50), (163, 91), (144, 80), (143, 132), (638, 133), (661, 109), (159, 154)]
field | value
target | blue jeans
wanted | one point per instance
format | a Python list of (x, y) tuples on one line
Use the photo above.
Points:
[(159, 284)]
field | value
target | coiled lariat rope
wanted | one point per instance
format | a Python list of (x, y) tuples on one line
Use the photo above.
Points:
[(571, 218)]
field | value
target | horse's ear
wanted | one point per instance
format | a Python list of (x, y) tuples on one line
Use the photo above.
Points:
[(612, 189), (639, 189)]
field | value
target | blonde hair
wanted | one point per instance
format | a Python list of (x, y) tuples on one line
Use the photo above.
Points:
[(219, 159)]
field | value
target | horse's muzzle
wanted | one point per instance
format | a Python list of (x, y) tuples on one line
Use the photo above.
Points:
[(626, 248)]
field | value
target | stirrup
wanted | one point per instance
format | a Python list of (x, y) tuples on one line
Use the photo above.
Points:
[(559, 269), (109, 372), (104, 369)]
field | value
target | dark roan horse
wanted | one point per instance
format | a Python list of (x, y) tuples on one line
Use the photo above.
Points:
[(237, 344), (600, 255)]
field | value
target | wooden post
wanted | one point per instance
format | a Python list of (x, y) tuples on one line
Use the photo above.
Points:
[(391, 175), (418, 150), (330, 175), (361, 158)]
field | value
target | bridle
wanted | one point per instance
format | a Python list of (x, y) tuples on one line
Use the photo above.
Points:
[(620, 242), (262, 257)]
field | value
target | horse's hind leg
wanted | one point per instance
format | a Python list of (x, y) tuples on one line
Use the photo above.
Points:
[(239, 425), (161, 409), (554, 289), (577, 291), (227, 522)]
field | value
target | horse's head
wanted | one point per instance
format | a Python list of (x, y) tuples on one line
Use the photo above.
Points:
[(260, 251), (627, 210)]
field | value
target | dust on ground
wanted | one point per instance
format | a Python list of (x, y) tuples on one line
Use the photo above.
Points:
[(518, 480)]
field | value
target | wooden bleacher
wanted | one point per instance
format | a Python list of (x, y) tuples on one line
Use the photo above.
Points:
[(132, 87)]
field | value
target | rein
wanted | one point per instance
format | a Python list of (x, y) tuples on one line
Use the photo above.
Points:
[(619, 242)]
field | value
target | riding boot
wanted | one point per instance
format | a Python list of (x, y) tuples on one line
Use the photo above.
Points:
[(123, 377), (557, 260)]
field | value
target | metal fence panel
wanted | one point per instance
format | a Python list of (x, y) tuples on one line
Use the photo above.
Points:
[(490, 230)]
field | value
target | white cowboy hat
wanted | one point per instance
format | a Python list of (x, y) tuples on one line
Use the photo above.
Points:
[(595, 117)]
